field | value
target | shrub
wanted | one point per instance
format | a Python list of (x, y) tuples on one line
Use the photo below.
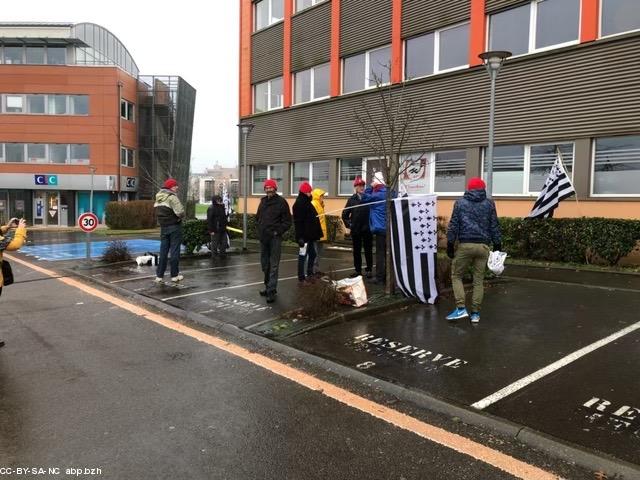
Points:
[(136, 214), (116, 251), (190, 209), (194, 235)]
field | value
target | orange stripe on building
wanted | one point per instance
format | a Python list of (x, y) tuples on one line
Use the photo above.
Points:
[(246, 27), (335, 48), (589, 20), (286, 51), (477, 34), (396, 42)]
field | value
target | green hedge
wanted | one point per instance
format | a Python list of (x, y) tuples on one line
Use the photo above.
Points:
[(137, 214)]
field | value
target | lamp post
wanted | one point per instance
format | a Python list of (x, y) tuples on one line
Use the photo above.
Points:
[(493, 60), (245, 129)]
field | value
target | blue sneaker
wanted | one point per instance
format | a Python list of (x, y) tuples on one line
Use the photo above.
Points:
[(475, 317), (458, 313)]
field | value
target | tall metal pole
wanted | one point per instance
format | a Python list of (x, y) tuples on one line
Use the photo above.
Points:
[(492, 108), (88, 234), (245, 189)]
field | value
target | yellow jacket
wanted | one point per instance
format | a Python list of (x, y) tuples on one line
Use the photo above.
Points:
[(18, 240), (317, 201)]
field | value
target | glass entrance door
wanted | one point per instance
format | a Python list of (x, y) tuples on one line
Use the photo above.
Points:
[(46, 208), (53, 208)]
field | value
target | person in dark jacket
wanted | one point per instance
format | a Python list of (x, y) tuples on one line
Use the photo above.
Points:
[(474, 224), (274, 219), (308, 230), (170, 213), (377, 194), (356, 218), (217, 225)]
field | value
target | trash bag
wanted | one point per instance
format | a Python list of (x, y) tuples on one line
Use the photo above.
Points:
[(496, 261), (352, 291)]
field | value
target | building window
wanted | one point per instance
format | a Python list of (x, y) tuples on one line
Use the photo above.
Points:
[(127, 110), (316, 173), (450, 172), (58, 153), (35, 55), (366, 69), (439, 172), (41, 104), (453, 48), (56, 55), (262, 172), (535, 26), (126, 157), (14, 104), (267, 95), (350, 168), (13, 55), (619, 16), (57, 104), (268, 12), (616, 166), (14, 152), (438, 51), (36, 104), (523, 169), (302, 4), (311, 84), (420, 57), (36, 153), (79, 104), (80, 153)]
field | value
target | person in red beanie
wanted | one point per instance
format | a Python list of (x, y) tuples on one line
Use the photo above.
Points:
[(274, 219), (355, 217), (308, 230), (474, 224), (170, 212)]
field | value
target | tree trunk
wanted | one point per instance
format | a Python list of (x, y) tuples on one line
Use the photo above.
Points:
[(389, 281)]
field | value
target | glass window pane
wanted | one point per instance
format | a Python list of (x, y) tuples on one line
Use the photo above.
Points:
[(35, 103), (557, 22), (15, 104), (259, 176), (450, 171), (350, 168), (275, 100), (302, 84), (509, 30), (80, 104), (36, 152), (56, 55), (617, 165), (276, 172), (353, 75), (262, 14), (302, 4), (277, 10), (320, 171), (130, 108), (35, 55), (57, 104), (419, 56), (321, 81), (14, 152), (454, 47), (80, 153), (620, 16), (542, 158), (123, 108), (299, 174), (13, 55), (379, 66), (261, 97), (57, 153), (508, 169)]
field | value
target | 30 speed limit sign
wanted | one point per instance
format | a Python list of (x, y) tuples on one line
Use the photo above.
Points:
[(87, 222)]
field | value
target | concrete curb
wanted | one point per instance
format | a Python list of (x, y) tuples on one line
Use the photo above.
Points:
[(560, 449)]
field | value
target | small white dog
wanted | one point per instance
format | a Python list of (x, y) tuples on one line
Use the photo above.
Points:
[(148, 259)]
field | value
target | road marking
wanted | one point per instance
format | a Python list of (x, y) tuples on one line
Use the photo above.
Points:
[(237, 286), (556, 282), (543, 372), (427, 431)]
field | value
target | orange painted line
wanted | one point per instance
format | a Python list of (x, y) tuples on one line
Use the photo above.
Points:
[(589, 20), (396, 42), (286, 52), (246, 27), (432, 433), (334, 67), (477, 34)]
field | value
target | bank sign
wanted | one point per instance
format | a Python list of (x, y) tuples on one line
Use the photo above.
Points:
[(46, 179)]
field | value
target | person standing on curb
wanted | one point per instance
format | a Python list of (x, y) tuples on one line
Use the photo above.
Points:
[(308, 230), (377, 194), (12, 237), (274, 219), (217, 226), (317, 199), (355, 217), (170, 213), (474, 224)]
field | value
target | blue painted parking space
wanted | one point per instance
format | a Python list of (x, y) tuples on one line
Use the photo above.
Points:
[(70, 251)]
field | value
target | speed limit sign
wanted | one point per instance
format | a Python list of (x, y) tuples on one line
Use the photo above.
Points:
[(87, 222)]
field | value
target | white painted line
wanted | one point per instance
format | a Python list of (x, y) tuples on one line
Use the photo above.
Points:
[(238, 286), (523, 382), (260, 323)]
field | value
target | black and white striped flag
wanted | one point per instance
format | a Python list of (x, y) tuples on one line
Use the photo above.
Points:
[(414, 245), (556, 188)]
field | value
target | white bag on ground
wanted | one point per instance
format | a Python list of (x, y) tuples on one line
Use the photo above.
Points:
[(496, 261), (353, 288)]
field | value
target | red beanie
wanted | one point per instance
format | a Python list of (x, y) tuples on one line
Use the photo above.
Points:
[(170, 183), (305, 187), (358, 181), (476, 183), (270, 182)]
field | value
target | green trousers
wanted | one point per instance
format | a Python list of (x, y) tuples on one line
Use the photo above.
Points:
[(476, 255)]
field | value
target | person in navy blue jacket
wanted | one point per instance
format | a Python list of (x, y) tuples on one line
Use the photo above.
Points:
[(377, 192)]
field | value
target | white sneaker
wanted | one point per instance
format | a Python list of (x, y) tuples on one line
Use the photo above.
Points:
[(177, 279), (158, 280)]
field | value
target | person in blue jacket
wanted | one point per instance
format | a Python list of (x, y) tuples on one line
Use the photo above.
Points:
[(377, 192)]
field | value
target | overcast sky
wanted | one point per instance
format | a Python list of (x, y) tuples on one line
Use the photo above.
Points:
[(184, 38)]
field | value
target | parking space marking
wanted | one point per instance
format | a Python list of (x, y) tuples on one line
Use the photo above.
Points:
[(237, 286), (543, 372)]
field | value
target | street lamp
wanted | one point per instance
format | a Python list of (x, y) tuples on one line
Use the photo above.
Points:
[(492, 61), (245, 129)]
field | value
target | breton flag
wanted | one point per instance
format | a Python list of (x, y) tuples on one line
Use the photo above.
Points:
[(414, 246), (556, 188)]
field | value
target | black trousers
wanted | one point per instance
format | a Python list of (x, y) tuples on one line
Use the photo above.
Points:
[(359, 240), (381, 256), (310, 257), (270, 250), (219, 242)]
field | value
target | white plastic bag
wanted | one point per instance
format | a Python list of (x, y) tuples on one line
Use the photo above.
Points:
[(354, 289), (496, 261)]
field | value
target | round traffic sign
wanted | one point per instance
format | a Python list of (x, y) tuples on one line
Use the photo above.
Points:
[(88, 222)]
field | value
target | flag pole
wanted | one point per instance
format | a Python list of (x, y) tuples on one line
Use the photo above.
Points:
[(559, 154)]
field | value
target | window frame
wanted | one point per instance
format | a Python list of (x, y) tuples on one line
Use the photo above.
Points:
[(367, 68), (280, 185), (129, 157), (593, 172), (600, 15), (269, 15), (363, 172), (312, 87), (313, 4), (129, 110), (294, 192), (26, 110), (431, 169), (269, 107), (23, 109)]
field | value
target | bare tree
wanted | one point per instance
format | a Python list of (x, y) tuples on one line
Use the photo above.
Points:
[(386, 124)]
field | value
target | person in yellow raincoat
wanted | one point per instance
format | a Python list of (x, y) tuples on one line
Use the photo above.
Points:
[(12, 237), (317, 200)]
